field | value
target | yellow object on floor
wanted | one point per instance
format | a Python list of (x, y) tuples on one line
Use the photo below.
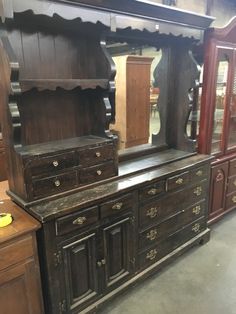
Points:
[(5, 219)]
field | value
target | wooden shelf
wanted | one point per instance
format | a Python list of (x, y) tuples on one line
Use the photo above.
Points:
[(68, 84)]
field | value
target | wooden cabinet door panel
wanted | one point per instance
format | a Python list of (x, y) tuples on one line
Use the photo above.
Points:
[(19, 291), (219, 175), (80, 271), (118, 251)]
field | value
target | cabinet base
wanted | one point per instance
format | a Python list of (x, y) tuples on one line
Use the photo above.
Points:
[(202, 238)]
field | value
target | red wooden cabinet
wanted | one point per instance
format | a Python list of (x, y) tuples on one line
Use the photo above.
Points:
[(217, 134)]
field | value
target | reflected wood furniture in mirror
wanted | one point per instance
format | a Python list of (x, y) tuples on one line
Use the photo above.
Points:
[(105, 225), (217, 133)]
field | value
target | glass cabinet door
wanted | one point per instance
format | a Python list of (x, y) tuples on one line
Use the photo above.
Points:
[(221, 96)]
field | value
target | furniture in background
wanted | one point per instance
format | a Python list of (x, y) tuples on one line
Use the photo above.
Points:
[(20, 284), (3, 162), (217, 133), (132, 100), (105, 225)]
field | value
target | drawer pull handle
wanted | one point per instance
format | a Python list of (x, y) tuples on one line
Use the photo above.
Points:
[(98, 154), (55, 163), (152, 235), (179, 181), (152, 212), (234, 182), (101, 263), (117, 206), (196, 228), (99, 172), (79, 221), (198, 190), (234, 199), (57, 183), (152, 191), (199, 173), (196, 210), (151, 255)]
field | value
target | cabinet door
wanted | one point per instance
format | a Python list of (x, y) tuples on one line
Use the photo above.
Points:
[(79, 261), (19, 290), (118, 247), (219, 175)]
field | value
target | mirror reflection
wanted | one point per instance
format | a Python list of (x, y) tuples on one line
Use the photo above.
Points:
[(137, 92)]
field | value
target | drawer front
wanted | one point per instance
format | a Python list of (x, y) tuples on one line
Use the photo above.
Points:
[(152, 191), (199, 173), (158, 251), (230, 201), (115, 206), (96, 155), (76, 221), (48, 186), (97, 173), (231, 185), (177, 181), (158, 232), (16, 252), (171, 204), (232, 167), (52, 164)]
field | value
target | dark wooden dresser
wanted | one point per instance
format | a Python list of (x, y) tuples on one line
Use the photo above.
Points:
[(109, 218), (20, 284)]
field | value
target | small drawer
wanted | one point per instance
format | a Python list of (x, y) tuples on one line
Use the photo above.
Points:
[(115, 206), (16, 252), (231, 185), (96, 155), (52, 164), (231, 200), (76, 221), (55, 184), (199, 173), (177, 181), (97, 173), (232, 167), (151, 191)]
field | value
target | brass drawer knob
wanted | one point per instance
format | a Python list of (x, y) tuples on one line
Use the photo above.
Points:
[(101, 263), (152, 212), (234, 199), (179, 181), (152, 235), (98, 154), (199, 173), (57, 183), (152, 191), (196, 210), (79, 221), (196, 227), (117, 206), (99, 172), (151, 254), (198, 190), (55, 163)]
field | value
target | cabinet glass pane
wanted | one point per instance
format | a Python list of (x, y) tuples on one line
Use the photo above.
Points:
[(232, 117), (221, 84)]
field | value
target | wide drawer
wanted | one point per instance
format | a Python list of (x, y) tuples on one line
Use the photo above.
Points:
[(52, 164), (199, 173), (97, 173), (176, 239), (51, 185), (232, 167), (115, 206), (158, 232), (96, 155), (15, 252), (150, 191), (172, 203), (177, 181), (231, 185), (76, 221), (230, 200)]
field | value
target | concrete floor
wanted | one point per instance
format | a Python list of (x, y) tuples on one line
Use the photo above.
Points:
[(203, 281)]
